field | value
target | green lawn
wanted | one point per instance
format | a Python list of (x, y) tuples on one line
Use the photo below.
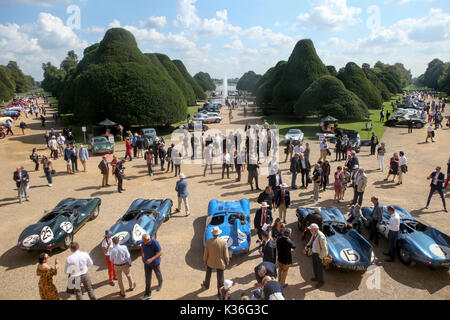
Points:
[(311, 126)]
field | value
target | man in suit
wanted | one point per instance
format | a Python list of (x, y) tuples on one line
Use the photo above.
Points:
[(275, 180), (318, 247), (304, 169), (294, 169), (265, 268), (120, 168), (215, 256), (284, 247), (252, 169), (282, 201), (437, 180), (182, 193), (375, 220), (267, 248), (360, 185), (267, 196), (239, 159), (104, 169), (263, 216), (74, 158), (21, 178), (373, 143), (162, 155)]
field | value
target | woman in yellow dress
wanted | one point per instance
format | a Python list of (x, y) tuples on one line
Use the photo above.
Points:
[(47, 289)]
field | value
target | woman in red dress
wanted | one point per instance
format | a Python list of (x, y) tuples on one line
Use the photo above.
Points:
[(128, 149)]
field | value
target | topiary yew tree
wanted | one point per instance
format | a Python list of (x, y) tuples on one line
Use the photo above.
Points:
[(328, 96), (264, 92), (116, 80), (205, 81), (248, 82), (356, 81), (303, 68), (199, 93)]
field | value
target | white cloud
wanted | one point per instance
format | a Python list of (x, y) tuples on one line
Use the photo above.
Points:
[(222, 15), (187, 14), (329, 15), (154, 22), (114, 24)]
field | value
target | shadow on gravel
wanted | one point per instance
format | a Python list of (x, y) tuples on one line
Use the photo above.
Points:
[(16, 258), (194, 256)]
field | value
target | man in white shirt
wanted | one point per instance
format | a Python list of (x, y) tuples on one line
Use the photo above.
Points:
[(298, 149), (394, 226), (226, 165), (430, 131), (121, 258), (61, 141), (208, 158), (402, 167), (77, 267), (107, 246), (323, 150)]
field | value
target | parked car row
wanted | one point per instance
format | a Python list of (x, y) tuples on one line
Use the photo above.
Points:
[(417, 242)]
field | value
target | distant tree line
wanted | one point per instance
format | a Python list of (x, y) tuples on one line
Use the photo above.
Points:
[(436, 76), (13, 80)]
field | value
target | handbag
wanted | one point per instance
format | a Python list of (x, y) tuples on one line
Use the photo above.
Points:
[(404, 168), (53, 171), (328, 152)]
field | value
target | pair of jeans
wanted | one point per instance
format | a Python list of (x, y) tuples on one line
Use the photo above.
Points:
[(294, 178), (358, 197), (304, 178), (392, 238), (48, 175), (220, 278), (169, 164), (374, 232), (238, 171), (148, 268), (319, 272), (150, 168), (441, 193), (316, 191), (86, 281), (225, 167)]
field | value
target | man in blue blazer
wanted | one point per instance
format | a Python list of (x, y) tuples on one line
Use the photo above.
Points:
[(282, 201), (437, 179), (182, 193)]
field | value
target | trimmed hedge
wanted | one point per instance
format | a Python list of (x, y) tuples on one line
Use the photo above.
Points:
[(248, 82), (116, 80), (303, 68), (199, 93), (205, 81), (328, 96), (264, 93), (356, 81)]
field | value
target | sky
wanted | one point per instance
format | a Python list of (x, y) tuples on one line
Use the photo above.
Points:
[(230, 37)]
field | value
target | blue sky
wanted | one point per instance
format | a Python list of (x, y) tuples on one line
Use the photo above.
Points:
[(231, 36)]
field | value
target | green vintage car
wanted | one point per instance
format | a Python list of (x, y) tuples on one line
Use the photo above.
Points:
[(100, 145), (57, 227)]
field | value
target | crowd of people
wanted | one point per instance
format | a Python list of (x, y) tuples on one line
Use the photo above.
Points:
[(233, 152)]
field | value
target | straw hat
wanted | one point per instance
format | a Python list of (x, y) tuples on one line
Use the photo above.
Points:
[(264, 205), (284, 185), (216, 231), (182, 176), (227, 284)]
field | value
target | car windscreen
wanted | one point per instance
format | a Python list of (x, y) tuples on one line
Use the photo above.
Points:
[(100, 140), (49, 216), (217, 219)]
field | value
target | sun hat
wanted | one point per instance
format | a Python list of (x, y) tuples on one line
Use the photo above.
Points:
[(227, 284), (182, 176), (313, 226), (264, 205), (284, 185), (216, 231)]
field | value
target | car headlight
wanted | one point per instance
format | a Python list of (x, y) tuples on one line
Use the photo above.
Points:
[(123, 236), (30, 241)]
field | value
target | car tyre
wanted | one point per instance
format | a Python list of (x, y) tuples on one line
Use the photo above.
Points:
[(95, 213), (419, 125), (405, 257), (67, 241)]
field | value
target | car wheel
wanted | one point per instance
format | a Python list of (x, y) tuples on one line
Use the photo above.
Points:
[(419, 125), (67, 241), (404, 256), (95, 213)]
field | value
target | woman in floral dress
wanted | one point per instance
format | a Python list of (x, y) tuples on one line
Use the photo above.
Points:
[(338, 183), (47, 289)]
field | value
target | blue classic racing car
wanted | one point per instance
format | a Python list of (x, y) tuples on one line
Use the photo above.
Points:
[(233, 218), (349, 249), (416, 241), (143, 216)]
